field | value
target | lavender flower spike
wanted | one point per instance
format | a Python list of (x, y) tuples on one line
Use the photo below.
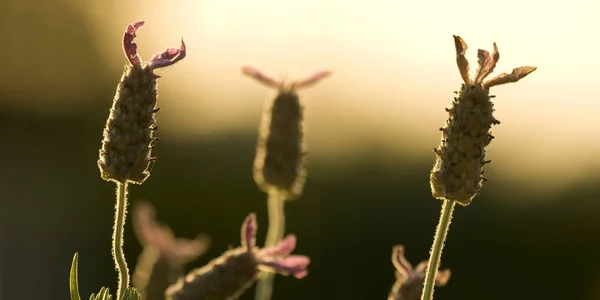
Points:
[(128, 137), (281, 160), (163, 260), (461, 154), (409, 280), (228, 276)]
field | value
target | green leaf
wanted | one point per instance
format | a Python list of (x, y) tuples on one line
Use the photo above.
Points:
[(74, 284), (104, 294), (132, 293)]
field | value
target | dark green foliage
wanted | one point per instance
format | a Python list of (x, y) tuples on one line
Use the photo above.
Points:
[(74, 284), (103, 294)]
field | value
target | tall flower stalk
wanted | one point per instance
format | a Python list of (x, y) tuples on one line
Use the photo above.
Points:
[(456, 176), (117, 239), (280, 163)]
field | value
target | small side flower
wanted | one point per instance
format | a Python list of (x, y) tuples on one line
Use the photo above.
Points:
[(228, 276), (409, 280), (164, 256)]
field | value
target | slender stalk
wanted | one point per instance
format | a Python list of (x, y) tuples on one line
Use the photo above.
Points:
[(436, 249), (117, 241), (275, 233)]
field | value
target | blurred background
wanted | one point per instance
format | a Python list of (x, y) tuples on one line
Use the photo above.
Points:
[(533, 233)]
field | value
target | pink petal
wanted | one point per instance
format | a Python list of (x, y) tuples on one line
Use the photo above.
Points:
[(442, 277), (295, 265), (168, 57), (285, 247), (249, 232), (129, 45), (260, 77), (402, 265), (313, 79)]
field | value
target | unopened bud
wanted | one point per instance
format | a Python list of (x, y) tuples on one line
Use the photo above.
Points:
[(280, 161)]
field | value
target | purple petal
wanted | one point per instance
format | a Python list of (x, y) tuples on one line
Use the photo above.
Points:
[(313, 79), (461, 60), (260, 77), (487, 63), (249, 232), (148, 231), (285, 247), (400, 262), (442, 277), (185, 250), (168, 57), (294, 264), (129, 45)]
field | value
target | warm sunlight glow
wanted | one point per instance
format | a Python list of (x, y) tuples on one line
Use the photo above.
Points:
[(394, 71)]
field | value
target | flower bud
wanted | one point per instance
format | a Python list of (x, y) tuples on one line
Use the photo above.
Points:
[(164, 257), (460, 157), (228, 276), (280, 161), (129, 132), (409, 280)]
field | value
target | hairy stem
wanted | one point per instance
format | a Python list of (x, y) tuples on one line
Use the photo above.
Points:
[(436, 249), (275, 233), (117, 240)]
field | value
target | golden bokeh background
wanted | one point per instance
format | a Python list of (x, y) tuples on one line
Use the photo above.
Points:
[(394, 72), (393, 65)]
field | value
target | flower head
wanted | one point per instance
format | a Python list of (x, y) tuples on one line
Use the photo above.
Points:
[(129, 132), (460, 157), (152, 234), (228, 276), (280, 161), (409, 280), (486, 65), (164, 256)]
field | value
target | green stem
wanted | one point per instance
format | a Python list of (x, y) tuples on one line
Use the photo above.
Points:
[(117, 240), (275, 204), (436, 249)]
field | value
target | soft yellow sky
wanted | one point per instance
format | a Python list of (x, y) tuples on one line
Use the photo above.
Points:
[(394, 71)]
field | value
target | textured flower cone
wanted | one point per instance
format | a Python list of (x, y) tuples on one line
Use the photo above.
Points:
[(457, 172), (129, 133), (280, 161), (164, 257), (228, 276), (409, 280), (225, 278)]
